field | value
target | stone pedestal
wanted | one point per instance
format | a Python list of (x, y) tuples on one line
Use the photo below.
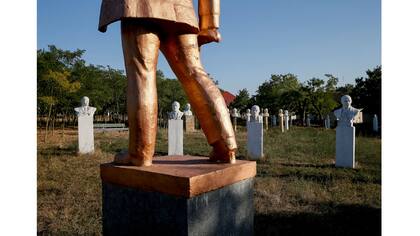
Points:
[(255, 140), (189, 123), (375, 123), (281, 123), (286, 122), (266, 122), (178, 195), (273, 121), (345, 146), (327, 123), (234, 122), (175, 137), (85, 134)]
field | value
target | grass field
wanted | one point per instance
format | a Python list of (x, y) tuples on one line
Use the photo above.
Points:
[(298, 191)]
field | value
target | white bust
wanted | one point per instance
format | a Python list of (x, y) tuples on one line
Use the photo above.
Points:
[(175, 114), (266, 114), (286, 113), (255, 114), (187, 110), (247, 115), (281, 113), (235, 113), (347, 113), (85, 109)]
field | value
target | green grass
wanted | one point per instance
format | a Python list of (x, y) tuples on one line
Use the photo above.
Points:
[(298, 191)]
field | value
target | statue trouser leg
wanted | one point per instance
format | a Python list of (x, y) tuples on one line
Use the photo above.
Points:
[(183, 55), (141, 48)]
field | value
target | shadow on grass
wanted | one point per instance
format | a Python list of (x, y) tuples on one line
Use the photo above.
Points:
[(69, 150), (308, 165), (339, 220)]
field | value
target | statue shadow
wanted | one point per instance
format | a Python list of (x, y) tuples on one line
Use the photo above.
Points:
[(308, 165), (70, 150), (344, 219)]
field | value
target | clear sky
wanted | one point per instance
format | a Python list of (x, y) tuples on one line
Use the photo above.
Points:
[(259, 38)]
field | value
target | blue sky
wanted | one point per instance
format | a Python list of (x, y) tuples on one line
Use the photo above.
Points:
[(259, 38)]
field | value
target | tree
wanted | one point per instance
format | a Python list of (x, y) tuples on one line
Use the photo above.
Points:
[(269, 94), (241, 101), (367, 92), (57, 86), (322, 95), (347, 89), (169, 90)]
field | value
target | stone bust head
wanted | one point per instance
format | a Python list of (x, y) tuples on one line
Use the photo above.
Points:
[(175, 114), (84, 109), (255, 114), (235, 113), (247, 115), (84, 101), (187, 110), (346, 101), (266, 112), (347, 113), (175, 106), (286, 113)]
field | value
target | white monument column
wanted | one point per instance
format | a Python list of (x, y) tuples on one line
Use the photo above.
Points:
[(286, 119), (266, 115), (175, 131), (375, 123), (308, 120), (235, 114), (255, 134), (345, 134), (327, 122), (85, 126), (281, 120), (273, 120), (247, 115)]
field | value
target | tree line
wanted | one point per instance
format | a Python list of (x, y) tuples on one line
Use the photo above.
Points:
[(316, 96), (63, 78)]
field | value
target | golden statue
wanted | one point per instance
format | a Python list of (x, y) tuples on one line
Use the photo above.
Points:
[(172, 27)]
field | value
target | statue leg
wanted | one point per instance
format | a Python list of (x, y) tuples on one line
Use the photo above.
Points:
[(141, 48), (183, 55)]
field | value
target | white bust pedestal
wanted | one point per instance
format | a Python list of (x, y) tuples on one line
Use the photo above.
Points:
[(255, 140), (345, 146), (281, 122), (175, 137), (85, 129), (375, 123)]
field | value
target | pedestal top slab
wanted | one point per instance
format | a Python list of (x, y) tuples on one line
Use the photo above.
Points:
[(185, 176)]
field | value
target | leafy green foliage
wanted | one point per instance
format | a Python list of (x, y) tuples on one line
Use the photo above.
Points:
[(321, 95), (241, 101), (169, 90), (367, 92), (269, 94), (64, 78)]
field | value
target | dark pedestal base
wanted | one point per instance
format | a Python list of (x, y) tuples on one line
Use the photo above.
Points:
[(225, 211), (178, 195)]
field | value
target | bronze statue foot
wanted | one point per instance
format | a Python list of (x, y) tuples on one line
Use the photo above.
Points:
[(228, 157), (221, 153), (124, 158)]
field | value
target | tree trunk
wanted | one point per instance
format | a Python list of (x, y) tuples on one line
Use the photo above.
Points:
[(46, 125), (53, 124)]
